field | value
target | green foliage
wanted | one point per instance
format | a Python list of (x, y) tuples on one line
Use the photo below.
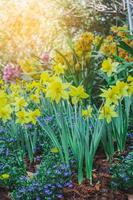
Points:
[(11, 163), (72, 131), (121, 123), (122, 173)]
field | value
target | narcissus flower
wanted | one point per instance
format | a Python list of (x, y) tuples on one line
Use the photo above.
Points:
[(130, 78), (45, 78), (5, 112), (87, 113), (5, 176), (20, 103), (107, 112), (58, 69), (57, 90), (78, 94), (22, 117), (33, 115), (110, 95), (35, 98), (3, 98), (55, 150), (121, 89), (109, 67)]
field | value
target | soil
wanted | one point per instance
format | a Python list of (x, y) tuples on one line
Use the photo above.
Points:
[(100, 190), (4, 194)]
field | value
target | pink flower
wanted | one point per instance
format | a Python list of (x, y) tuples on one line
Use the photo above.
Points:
[(45, 57), (11, 72)]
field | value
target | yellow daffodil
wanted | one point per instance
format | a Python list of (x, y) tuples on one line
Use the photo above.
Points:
[(22, 117), (33, 85), (55, 150), (109, 67), (45, 78), (35, 98), (130, 78), (110, 95), (107, 112), (15, 88), (58, 69), (20, 103), (130, 90), (87, 113), (5, 176), (84, 44), (5, 112), (78, 94), (3, 98), (108, 48), (57, 90), (121, 89), (33, 115)]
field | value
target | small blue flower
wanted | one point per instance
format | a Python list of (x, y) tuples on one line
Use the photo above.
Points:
[(58, 172), (38, 198), (58, 185), (47, 192), (130, 135), (22, 190), (23, 178), (67, 174), (2, 130), (126, 178), (69, 184)]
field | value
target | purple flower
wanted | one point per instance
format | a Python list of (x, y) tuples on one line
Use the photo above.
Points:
[(59, 185), (69, 184), (11, 72), (59, 196), (38, 198), (67, 174), (38, 158), (48, 119), (7, 152)]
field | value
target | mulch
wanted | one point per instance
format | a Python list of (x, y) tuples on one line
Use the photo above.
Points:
[(100, 190)]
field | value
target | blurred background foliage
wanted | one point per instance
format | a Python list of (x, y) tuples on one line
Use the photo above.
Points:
[(30, 27), (95, 15)]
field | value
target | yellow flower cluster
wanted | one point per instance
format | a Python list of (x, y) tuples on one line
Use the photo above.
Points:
[(84, 44), (112, 97), (14, 102), (20, 99), (110, 46)]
